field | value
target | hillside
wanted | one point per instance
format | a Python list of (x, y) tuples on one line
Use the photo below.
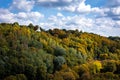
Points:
[(27, 54)]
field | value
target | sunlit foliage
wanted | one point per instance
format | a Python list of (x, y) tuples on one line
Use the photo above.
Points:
[(28, 54)]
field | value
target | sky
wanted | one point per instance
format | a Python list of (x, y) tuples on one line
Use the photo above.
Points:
[(94, 16)]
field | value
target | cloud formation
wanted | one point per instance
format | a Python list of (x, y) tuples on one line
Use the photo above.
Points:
[(114, 9), (103, 26), (22, 5), (112, 3), (21, 17), (110, 9), (53, 3)]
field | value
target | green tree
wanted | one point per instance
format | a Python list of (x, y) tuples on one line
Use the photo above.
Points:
[(15, 24), (59, 51), (31, 26), (58, 62)]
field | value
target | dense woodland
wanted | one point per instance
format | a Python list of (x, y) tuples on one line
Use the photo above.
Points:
[(56, 54)]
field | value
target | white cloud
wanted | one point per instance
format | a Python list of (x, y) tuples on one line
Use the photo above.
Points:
[(53, 3), (80, 7), (59, 14), (103, 26), (76, 6), (67, 0), (34, 17), (111, 9), (47, 0), (22, 5), (112, 3), (113, 13), (21, 17), (116, 10), (69, 8), (5, 15)]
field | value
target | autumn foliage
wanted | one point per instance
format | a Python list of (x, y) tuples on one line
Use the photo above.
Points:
[(58, 54)]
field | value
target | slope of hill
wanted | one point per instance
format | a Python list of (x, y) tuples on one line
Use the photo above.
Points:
[(26, 54)]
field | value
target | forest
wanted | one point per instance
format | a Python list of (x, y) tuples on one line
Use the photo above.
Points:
[(56, 54)]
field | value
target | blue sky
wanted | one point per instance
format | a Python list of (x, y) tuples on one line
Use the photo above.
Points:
[(96, 16)]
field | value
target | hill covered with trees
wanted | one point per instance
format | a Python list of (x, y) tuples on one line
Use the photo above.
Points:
[(27, 54)]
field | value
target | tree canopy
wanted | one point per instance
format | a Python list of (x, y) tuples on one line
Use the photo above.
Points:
[(56, 54)]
